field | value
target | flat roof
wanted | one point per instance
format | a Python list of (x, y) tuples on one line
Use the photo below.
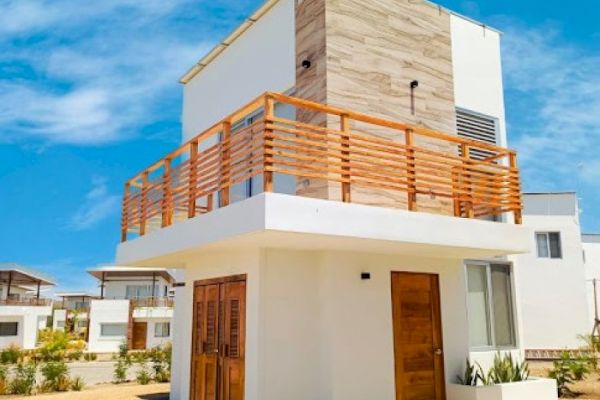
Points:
[(20, 275), (115, 271), (259, 13), (74, 294)]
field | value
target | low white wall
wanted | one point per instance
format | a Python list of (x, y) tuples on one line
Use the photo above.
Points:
[(106, 311), (30, 319)]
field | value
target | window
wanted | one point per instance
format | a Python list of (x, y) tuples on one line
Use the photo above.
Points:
[(60, 324), (548, 244), (138, 291), (113, 330), (490, 306), (9, 328), (162, 329)]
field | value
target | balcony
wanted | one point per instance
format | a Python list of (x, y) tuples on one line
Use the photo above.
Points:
[(26, 302), (278, 143), (153, 302)]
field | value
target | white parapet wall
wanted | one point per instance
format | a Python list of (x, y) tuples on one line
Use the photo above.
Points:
[(109, 320), (534, 389)]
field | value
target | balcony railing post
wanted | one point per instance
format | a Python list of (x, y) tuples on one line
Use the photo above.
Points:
[(466, 154), (143, 203), (411, 170), (517, 212), (166, 206), (125, 217), (267, 154), (192, 180), (345, 159), (225, 180)]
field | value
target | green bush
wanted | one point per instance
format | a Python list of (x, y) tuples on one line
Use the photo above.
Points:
[(567, 370), (56, 376), (11, 355), (470, 375), (506, 370), (77, 384), (24, 379), (123, 349), (160, 358), (3, 380), (120, 372), (143, 376), (75, 355), (90, 356)]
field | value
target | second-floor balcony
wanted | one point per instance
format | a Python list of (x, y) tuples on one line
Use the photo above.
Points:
[(41, 302), (152, 302), (285, 144)]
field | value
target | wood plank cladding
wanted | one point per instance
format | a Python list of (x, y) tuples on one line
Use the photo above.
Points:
[(364, 56)]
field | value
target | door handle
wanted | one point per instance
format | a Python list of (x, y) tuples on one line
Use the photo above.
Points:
[(438, 352)]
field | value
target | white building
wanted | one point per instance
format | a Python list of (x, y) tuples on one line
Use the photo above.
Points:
[(71, 312), (591, 256), (23, 309), (336, 244), (135, 305), (552, 276)]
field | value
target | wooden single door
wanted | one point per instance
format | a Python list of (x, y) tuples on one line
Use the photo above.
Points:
[(140, 331), (418, 349), (218, 339)]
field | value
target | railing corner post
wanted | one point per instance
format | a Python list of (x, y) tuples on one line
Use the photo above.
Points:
[(125, 216), (166, 206), (269, 112)]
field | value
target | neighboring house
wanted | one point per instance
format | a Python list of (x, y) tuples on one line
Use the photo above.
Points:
[(135, 305), (23, 309), (71, 311), (552, 276), (349, 242), (591, 258)]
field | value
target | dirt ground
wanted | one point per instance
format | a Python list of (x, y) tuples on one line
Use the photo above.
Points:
[(588, 389), (158, 391)]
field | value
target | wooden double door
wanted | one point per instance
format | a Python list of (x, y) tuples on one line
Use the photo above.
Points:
[(418, 349), (218, 339)]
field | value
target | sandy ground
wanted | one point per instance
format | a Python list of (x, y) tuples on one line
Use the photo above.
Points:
[(127, 391), (588, 389)]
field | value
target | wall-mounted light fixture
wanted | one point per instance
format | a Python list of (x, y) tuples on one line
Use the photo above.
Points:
[(413, 85), (306, 64)]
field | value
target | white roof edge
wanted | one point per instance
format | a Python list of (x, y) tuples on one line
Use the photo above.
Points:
[(73, 294), (124, 268), (462, 16), (232, 37)]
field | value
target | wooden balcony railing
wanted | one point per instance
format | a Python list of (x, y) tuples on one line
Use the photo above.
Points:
[(26, 302), (410, 164), (153, 302)]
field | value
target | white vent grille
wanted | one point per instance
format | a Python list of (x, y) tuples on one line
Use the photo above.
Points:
[(477, 127)]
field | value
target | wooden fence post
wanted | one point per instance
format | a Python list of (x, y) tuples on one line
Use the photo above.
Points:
[(268, 147), (166, 205), (411, 170), (345, 158)]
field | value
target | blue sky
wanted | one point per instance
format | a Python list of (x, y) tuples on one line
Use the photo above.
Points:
[(89, 96)]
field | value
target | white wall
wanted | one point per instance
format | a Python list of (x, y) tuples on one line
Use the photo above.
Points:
[(554, 304), (151, 340), (30, 319), (478, 70), (59, 315), (324, 332), (106, 311), (263, 59), (592, 270)]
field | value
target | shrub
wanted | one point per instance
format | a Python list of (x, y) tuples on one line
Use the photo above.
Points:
[(90, 356), (24, 379), (75, 355), (505, 370), (11, 355), (161, 363), (567, 370), (3, 380), (470, 375), (56, 377), (53, 345), (143, 376), (120, 373), (140, 356), (123, 349), (77, 384)]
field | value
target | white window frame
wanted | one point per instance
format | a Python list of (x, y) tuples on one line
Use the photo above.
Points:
[(137, 289), (102, 325), (548, 244), (490, 309), (162, 332)]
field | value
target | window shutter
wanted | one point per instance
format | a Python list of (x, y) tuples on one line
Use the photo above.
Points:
[(474, 126)]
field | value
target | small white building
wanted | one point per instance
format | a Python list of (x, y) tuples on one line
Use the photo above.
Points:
[(23, 309), (343, 205), (71, 312), (555, 304), (135, 306)]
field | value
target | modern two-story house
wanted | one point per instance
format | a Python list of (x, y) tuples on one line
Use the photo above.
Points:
[(343, 204), (24, 310), (135, 306), (71, 312)]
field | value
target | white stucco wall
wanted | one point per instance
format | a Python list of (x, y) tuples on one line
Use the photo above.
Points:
[(554, 303), (263, 59), (324, 332), (106, 311), (592, 271), (151, 340), (477, 67), (30, 320)]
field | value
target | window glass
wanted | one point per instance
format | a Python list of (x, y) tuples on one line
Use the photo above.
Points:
[(138, 291), (542, 245), (162, 329), (478, 306), (502, 306), (60, 324), (113, 330), (9, 328), (555, 250)]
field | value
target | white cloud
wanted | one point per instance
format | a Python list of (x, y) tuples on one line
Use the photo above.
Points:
[(99, 204)]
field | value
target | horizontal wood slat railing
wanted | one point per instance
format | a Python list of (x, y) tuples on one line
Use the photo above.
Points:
[(364, 153)]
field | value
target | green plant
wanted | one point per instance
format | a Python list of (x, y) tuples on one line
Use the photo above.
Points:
[(505, 369), (143, 376), (567, 370), (56, 376), (53, 344), (77, 384), (140, 356), (75, 355), (120, 372), (470, 375), (90, 356), (24, 379), (3, 380), (123, 349), (11, 355)]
